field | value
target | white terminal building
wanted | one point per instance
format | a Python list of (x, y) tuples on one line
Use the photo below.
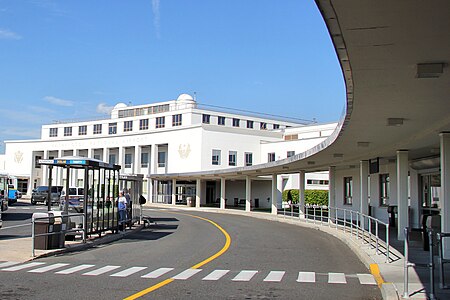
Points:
[(177, 144)]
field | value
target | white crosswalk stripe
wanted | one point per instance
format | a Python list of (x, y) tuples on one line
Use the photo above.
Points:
[(48, 268), (306, 277), (336, 278), (8, 263), (186, 274), (24, 266), (216, 275), (245, 275), (75, 269), (275, 276), (157, 273), (128, 272), (100, 271), (366, 279)]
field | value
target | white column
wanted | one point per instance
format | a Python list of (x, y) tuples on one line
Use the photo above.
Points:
[(59, 171), (105, 156), (274, 208), (198, 191), (445, 189), (332, 187), (90, 153), (402, 192), (248, 193), (137, 160), (45, 170), (74, 172), (280, 189), (120, 158), (222, 192), (364, 191), (301, 193), (174, 191), (150, 190), (153, 159)]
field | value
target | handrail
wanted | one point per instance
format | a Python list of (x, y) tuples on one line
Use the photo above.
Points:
[(63, 231), (354, 222)]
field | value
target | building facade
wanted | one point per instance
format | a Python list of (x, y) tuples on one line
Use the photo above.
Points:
[(173, 137)]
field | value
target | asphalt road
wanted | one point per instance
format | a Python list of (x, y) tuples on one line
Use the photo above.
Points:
[(265, 260)]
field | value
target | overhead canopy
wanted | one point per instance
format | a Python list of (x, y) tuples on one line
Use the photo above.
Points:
[(78, 162)]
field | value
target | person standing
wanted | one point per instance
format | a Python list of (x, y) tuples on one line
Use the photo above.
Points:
[(122, 208)]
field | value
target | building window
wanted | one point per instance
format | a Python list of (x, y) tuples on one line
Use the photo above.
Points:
[(82, 130), (97, 156), (176, 120), (215, 160), (291, 137), (232, 158), (161, 159), (143, 124), (270, 156), (112, 128), (53, 132), (317, 182), (144, 160), (263, 125), (248, 159), (36, 162), (67, 131), (276, 126), (206, 119), (348, 190), (128, 160), (112, 159), (290, 153), (385, 189), (220, 120), (160, 122), (249, 124), (236, 122), (97, 128), (128, 126)]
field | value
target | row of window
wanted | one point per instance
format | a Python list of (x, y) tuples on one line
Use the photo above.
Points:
[(271, 155), (384, 189), (206, 119), (112, 127), (216, 158)]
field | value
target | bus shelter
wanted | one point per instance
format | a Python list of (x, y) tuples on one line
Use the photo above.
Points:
[(131, 185), (95, 199)]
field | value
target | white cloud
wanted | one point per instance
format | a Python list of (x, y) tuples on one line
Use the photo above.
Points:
[(58, 101), (102, 108), (156, 17), (9, 35)]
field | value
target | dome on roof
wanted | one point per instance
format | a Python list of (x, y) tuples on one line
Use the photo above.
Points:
[(120, 105), (185, 97)]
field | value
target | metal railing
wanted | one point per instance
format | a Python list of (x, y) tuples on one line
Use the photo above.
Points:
[(51, 220), (366, 228), (429, 265)]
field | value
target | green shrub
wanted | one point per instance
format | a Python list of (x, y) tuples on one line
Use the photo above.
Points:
[(319, 197)]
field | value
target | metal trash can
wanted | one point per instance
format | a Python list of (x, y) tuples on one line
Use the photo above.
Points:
[(51, 229)]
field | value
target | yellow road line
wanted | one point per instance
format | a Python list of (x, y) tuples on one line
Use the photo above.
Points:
[(376, 274), (202, 263)]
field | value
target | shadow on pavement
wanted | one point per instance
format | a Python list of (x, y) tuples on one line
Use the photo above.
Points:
[(15, 216)]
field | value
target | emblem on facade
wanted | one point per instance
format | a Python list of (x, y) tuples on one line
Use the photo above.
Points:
[(184, 150), (18, 156)]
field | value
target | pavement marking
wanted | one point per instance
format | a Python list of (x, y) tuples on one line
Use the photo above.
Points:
[(216, 275), (275, 276), (306, 277), (75, 269), (15, 226), (366, 279), (209, 259), (128, 272), (24, 266), (157, 273), (100, 271), (336, 278), (376, 274), (8, 263), (48, 268), (186, 274), (245, 275)]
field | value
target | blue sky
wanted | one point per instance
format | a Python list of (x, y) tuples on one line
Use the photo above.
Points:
[(63, 59)]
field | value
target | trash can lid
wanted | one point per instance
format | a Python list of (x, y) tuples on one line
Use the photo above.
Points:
[(40, 215)]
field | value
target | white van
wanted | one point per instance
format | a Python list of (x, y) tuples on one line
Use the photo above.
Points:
[(76, 199)]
